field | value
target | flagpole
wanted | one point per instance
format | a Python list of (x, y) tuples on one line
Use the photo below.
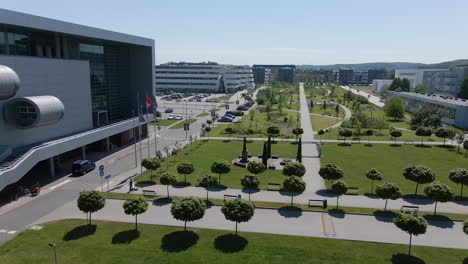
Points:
[(147, 128), (155, 113), (139, 129)]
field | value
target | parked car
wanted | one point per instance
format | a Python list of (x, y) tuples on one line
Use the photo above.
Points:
[(224, 119), (231, 112), (168, 110), (178, 117), (171, 117), (242, 108), (81, 167), (229, 115)]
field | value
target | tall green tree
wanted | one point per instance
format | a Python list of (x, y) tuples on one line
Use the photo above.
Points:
[(151, 164), (369, 133), (346, 133), (238, 211), (459, 176), (250, 182), (273, 131), (299, 151), (443, 132), (339, 188), (388, 191), (294, 184), (265, 154), (208, 181), (395, 85), (373, 175), (405, 85), (221, 167), (135, 206), (421, 88), (331, 172), (90, 202), (395, 108), (168, 179), (438, 192), (395, 134), (297, 132), (463, 93), (185, 169), (188, 209), (419, 174), (423, 132), (411, 224), (427, 117), (294, 169)]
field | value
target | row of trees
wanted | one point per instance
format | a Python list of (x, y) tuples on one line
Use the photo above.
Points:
[(185, 209)]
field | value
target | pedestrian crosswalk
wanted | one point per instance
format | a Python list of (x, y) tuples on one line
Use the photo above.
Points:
[(78, 185), (10, 232)]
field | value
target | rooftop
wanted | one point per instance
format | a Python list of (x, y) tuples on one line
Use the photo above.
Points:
[(437, 98)]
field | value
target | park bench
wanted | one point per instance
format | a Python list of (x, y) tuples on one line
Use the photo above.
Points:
[(411, 208), (409, 142), (272, 167), (231, 197), (274, 156), (352, 191), (355, 141), (318, 202), (149, 193), (274, 186)]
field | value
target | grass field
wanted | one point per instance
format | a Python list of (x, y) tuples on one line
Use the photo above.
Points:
[(164, 122), (112, 242), (203, 114), (258, 123), (181, 124), (322, 122), (204, 152), (356, 159)]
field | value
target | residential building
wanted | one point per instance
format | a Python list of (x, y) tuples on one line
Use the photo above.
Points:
[(455, 110), (277, 73), (66, 88), (377, 84), (207, 77)]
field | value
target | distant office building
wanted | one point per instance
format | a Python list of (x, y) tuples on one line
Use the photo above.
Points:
[(66, 89), (438, 81), (378, 84), (415, 76), (345, 76), (207, 77), (274, 73), (455, 111), (374, 74)]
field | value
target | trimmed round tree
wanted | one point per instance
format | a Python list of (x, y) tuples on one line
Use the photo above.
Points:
[(373, 175), (208, 181), (273, 131), (135, 206), (185, 169), (339, 188), (250, 182), (438, 192), (395, 134), (459, 176), (419, 174), (411, 224), (90, 202), (168, 179), (238, 211), (320, 133), (255, 167), (369, 133), (151, 164), (346, 133), (293, 184), (294, 169), (387, 191), (423, 132), (465, 227), (297, 132), (188, 209), (331, 172), (443, 132), (220, 167)]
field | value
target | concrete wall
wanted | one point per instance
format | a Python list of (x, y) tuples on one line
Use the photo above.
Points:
[(67, 80)]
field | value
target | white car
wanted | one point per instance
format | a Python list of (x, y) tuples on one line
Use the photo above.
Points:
[(178, 117), (171, 117)]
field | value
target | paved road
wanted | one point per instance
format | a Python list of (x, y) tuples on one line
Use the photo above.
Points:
[(351, 227), (372, 98)]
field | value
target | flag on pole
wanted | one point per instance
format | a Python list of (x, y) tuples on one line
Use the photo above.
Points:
[(149, 103)]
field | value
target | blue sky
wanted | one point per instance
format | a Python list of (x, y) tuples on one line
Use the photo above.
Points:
[(295, 32)]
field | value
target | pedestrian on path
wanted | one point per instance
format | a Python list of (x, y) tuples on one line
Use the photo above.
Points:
[(131, 185)]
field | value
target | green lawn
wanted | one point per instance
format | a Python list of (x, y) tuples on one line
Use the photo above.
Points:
[(356, 159), (181, 124), (164, 122), (214, 110), (256, 122), (113, 242), (203, 153), (322, 122), (203, 114), (330, 112)]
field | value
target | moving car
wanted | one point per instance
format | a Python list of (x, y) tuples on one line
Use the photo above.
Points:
[(81, 167)]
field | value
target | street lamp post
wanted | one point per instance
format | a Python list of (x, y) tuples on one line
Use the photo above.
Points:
[(134, 140), (55, 252)]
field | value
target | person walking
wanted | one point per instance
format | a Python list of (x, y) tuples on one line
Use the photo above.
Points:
[(131, 185)]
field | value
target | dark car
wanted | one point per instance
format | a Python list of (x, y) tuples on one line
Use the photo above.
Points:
[(224, 119), (81, 167), (168, 110)]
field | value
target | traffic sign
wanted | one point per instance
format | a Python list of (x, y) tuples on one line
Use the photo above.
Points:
[(186, 127), (227, 106), (101, 173), (213, 113), (237, 102), (101, 168)]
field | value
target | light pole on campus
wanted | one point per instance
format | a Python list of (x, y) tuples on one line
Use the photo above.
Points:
[(134, 140), (55, 251)]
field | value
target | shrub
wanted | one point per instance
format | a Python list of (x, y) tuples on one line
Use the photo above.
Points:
[(294, 169)]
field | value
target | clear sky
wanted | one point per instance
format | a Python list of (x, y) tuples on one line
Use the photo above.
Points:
[(277, 31)]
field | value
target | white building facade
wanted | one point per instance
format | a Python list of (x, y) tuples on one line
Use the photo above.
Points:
[(439, 81), (207, 77), (378, 84)]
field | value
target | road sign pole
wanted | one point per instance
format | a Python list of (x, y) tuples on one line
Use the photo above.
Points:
[(102, 189)]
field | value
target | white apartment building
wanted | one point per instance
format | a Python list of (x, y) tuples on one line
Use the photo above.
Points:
[(207, 77)]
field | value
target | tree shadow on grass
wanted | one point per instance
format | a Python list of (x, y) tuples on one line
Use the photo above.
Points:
[(142, 184), (344, 144), (405, 259), (422, 146), (337, 213), (125, 237), (179, 241), (368, 145), (80, 232), (230, 243), (290, 211), (441, 221), (465, 261), (445, 147), (181, 184), (384, 216), (395, 145)]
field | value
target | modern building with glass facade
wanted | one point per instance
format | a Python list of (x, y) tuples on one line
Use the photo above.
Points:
[(77, 86), (438, 81), (205, 77), (455, 110), (274, 73)]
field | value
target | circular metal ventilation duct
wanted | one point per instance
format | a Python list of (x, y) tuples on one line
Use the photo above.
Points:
[(34, 111), (9, 82)]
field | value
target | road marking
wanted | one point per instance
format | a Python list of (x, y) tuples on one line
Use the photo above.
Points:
[(3, 231), (60, 184), (11, 232), (328, 229)]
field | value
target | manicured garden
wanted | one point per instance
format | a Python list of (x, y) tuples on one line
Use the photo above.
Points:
[(203, 153), (181, 124), (356, 159), (322, 122), (112, 242)]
